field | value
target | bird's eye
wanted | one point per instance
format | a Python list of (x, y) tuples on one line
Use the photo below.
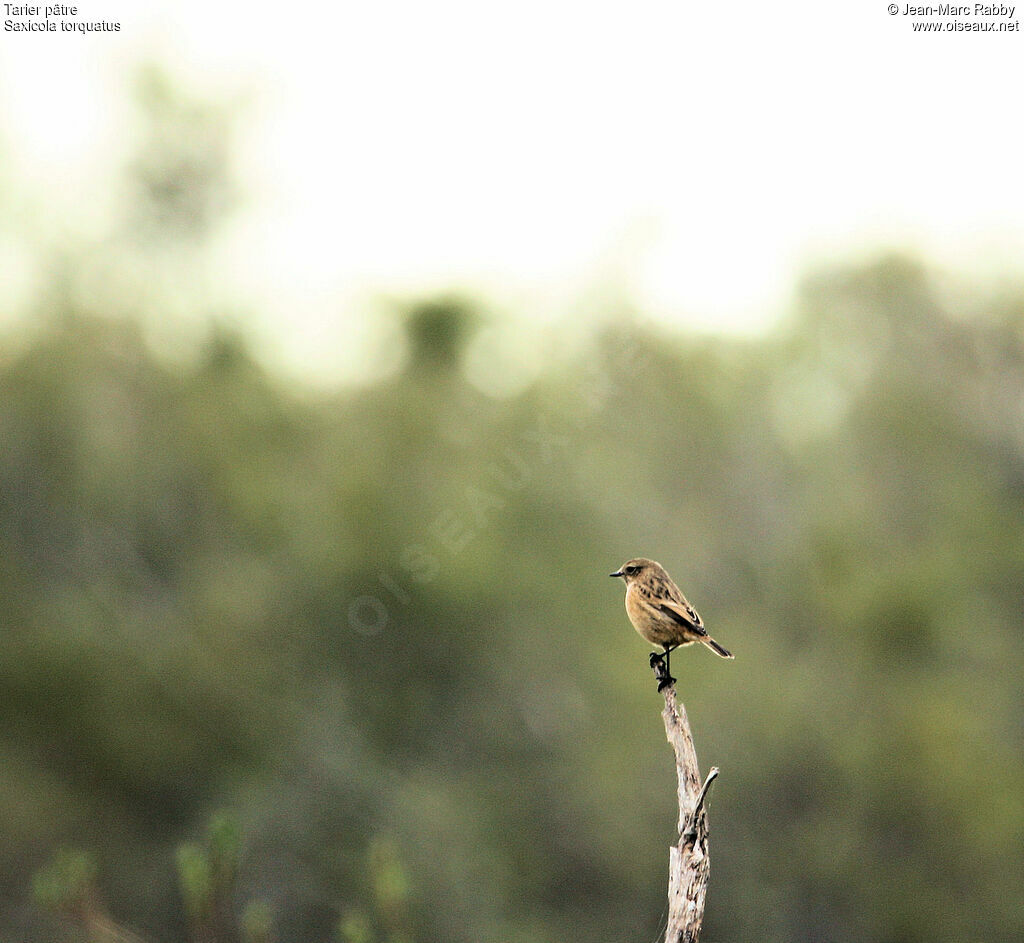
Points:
[(631, 569)]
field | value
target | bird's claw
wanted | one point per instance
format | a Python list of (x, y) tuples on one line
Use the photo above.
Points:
[(661, 674)]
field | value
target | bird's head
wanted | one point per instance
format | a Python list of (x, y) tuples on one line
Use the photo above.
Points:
[(635, 569)]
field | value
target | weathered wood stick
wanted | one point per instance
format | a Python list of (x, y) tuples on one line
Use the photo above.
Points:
[(688, 859)]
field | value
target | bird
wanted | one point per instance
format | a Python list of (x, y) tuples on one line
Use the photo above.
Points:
[(661, 613)]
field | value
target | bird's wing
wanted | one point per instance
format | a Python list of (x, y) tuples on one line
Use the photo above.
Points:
[(683, 613), (655, 607)]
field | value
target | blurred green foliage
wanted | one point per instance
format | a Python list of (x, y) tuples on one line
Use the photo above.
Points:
[(207, 872), (206, 876), (376, 624), (67, 883)]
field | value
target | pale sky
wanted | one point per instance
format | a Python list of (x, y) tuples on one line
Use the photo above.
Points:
[(693, 158)]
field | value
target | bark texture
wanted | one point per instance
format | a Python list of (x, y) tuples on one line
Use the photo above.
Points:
[(688, 859)]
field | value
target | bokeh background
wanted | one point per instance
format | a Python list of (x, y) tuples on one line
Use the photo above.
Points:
[(330, 394)]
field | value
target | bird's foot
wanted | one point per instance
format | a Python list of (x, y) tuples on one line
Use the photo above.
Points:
[(659, 662)]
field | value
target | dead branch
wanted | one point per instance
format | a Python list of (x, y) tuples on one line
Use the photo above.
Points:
[(688, 859)]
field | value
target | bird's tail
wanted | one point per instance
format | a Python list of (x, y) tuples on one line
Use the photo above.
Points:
[(716, 648)]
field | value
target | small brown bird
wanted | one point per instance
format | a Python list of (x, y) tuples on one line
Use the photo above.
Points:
[(661, 614)]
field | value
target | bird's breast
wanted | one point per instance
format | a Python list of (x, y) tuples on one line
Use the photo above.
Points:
[(644, 620)]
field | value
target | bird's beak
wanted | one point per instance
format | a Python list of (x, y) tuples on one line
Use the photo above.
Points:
[(616, 574)]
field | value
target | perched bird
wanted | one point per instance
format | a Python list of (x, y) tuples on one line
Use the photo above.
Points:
[(661, 614)]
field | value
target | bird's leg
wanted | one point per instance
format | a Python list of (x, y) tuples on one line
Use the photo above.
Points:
[(664, 675)]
